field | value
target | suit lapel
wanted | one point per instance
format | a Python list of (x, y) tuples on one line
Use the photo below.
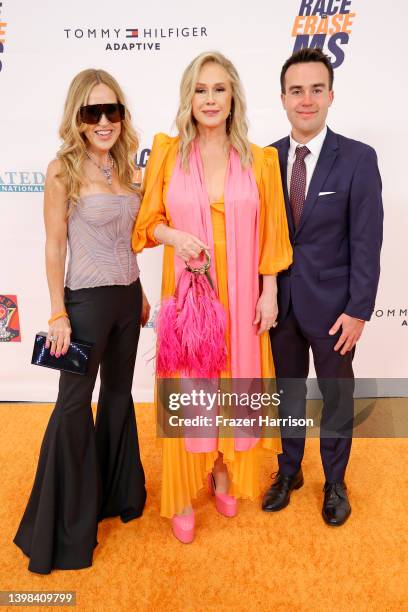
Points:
[(324, 164), (283, 161)]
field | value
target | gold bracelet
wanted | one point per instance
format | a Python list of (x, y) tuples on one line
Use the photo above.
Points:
[(59, 315)]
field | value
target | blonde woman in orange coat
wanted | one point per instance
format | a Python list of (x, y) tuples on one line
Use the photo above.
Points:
[(212, 164)]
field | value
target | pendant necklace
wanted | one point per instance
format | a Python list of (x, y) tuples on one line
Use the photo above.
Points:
[(106, 170)]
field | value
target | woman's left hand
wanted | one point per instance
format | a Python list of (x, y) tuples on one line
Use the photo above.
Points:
[(145, 315), (266, 312)]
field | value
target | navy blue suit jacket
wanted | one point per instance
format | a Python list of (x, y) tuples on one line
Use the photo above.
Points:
[(336, 246)]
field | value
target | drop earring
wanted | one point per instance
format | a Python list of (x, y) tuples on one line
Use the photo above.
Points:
[(229, 120)]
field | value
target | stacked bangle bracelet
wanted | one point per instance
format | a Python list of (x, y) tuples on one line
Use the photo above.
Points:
[(58, 315)]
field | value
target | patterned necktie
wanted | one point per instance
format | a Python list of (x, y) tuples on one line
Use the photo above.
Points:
[(298, 184)]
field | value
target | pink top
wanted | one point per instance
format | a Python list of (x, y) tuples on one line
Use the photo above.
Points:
[(99, 240)]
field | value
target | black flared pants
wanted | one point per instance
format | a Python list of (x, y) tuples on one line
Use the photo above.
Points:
[(88, 472)]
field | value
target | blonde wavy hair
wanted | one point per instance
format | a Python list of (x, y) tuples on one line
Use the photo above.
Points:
[(72, 151), (237, 125)]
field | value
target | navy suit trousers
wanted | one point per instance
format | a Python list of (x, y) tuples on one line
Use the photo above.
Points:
[(290, 347)]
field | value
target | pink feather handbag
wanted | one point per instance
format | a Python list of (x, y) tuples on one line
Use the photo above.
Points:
[(191, 327)]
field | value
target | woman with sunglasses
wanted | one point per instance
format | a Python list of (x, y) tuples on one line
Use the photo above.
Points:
[(88, 472)]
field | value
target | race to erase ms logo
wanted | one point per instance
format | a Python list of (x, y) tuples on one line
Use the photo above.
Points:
[(9, 320), (3, 26), (326, 24), (17, 181), (138, 38)]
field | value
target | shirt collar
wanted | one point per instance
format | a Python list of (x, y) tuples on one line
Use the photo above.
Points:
[(314, 145)]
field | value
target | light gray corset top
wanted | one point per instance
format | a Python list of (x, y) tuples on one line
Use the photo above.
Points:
[(99, 240)]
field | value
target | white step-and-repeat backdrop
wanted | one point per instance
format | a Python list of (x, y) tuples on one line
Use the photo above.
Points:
[(146, 46)]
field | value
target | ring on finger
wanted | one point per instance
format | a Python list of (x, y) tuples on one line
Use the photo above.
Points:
[(52, 338)]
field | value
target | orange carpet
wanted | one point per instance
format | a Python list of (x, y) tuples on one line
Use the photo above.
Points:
[(287, 561)]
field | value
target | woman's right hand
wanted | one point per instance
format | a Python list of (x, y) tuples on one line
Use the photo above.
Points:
[(187, 246), (61, 331)]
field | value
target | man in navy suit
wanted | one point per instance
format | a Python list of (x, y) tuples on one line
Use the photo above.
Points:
[(332, 191)]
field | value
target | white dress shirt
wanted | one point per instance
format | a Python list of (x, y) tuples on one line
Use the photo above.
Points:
[(314, 146)]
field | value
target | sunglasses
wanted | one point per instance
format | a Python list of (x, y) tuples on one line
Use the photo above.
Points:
[(92, 113)]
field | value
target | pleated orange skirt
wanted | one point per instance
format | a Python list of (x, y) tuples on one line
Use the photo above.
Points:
[(184, 473)]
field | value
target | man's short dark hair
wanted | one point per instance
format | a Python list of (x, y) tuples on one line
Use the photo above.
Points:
[(302, 57)]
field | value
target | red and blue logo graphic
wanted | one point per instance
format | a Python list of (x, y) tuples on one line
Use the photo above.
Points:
[(326, 24), (132, 32)]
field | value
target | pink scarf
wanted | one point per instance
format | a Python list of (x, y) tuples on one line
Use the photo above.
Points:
[(189, 209)]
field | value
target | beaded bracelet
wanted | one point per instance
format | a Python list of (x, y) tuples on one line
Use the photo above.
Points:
[(59, 315)]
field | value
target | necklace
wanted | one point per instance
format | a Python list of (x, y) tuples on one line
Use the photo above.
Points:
[(106, 170)]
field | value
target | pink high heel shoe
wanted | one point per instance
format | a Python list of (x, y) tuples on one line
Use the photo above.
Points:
[(183, 527), (225, 504)]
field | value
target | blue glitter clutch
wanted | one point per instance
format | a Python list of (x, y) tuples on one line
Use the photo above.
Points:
[(76, 359)]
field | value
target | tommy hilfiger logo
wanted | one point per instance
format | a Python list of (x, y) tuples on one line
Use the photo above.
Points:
[(148, 38), (398, 314)]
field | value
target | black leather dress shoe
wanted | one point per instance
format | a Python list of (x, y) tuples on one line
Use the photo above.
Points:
[(336, 506), (277, 496)]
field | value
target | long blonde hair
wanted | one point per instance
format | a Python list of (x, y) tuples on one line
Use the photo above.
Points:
[(72, 151), (237, 125)]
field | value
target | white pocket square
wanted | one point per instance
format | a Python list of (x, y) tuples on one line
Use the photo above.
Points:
[(326, 192)]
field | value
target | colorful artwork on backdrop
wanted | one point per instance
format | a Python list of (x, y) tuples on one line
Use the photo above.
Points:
[(326, 24), (9, 319)]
